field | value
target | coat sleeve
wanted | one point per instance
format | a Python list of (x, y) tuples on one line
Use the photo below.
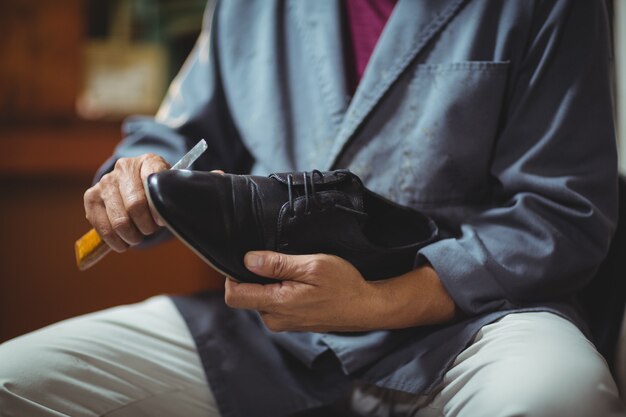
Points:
[(194, 108), (554, 172)]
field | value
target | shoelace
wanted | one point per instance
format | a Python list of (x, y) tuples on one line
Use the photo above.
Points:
[(310, 193)]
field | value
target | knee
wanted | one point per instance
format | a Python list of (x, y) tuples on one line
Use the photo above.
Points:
[(27, 376), (578, 388)]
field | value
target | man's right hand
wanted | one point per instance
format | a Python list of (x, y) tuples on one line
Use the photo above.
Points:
[(117, 206)]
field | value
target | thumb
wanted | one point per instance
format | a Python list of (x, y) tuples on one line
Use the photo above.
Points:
[(149, 165), (271, 264)]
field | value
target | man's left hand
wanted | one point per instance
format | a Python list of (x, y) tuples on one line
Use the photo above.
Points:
[(319, 293)]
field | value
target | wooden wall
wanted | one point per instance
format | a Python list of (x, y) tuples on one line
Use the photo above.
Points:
[(40, 68), (47, 160)]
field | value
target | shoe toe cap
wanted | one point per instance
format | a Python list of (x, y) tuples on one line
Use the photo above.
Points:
[(194, 205)]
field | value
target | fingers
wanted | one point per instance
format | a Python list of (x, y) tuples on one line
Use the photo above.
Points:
[(96, 214), (135, 200), (150, 164), (313, 292), (136, 205), (117, 206), (250, 296), (119, 217), (274, 265), (289, 269), (263, 298), (308, 269)]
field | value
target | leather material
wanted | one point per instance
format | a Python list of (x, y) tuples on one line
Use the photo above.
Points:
[(223, 216)]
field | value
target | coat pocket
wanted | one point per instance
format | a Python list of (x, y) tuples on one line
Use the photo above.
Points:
[(433, 135)]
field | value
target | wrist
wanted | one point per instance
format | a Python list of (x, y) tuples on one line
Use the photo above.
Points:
[(416, 298)]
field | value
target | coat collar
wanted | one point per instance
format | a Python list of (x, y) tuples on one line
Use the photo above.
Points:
[(411, 26)]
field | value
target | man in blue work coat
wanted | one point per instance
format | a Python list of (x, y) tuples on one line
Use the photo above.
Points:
[(493, 117)]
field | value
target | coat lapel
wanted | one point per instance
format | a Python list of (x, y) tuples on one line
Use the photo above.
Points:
[(411, 26), (320, 25)]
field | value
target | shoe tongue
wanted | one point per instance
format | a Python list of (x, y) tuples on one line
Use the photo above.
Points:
[(341, 180)]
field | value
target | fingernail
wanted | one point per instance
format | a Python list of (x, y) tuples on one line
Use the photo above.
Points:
[(253, 260)]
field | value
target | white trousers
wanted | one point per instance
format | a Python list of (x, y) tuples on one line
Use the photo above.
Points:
[(140, 360)]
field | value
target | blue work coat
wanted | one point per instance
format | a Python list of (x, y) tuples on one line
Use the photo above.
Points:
[(492, 116)]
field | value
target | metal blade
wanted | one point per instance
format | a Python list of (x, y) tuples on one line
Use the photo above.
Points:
[(190, 157)]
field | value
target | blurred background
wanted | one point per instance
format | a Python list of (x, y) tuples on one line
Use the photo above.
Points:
[(70, 71)]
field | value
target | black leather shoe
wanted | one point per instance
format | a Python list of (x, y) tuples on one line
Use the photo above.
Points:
[(222, 216)]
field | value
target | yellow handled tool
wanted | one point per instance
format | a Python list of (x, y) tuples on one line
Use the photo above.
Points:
[(90, 248)]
